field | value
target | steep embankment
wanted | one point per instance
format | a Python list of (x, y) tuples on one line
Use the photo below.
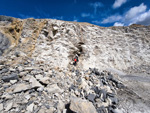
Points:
[(122, 48), (37, 74)]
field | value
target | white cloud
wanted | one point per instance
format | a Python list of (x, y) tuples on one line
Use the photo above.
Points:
[(118, 3), (135, 11), (135, 15), (112, 19), (96, 5), (118, 24), (143, 18)]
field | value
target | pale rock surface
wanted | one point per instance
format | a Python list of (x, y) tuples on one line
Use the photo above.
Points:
[(60, 105), (9, 106), (13, 81), (7, 96), (34, 82), (44, 80), (38, 77), (1, 107), (54, 89), (21, 87), (82, 106), (30, 108)]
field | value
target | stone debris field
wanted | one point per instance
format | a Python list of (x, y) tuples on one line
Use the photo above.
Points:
[(37, 73)]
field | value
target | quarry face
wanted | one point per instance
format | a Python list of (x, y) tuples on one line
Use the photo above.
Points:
[(37, 74)]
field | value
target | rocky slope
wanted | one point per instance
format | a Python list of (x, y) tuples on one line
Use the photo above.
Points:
[(37, 74)]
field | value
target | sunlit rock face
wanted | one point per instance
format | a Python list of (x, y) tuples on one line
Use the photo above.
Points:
[(55, 42)]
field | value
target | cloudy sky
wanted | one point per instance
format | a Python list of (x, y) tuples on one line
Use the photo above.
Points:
[(99, 12)]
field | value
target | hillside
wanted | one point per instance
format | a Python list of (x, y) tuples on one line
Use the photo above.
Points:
[(37, 72)]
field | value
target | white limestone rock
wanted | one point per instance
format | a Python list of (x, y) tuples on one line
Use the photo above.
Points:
[(82, 106), (54, 89)]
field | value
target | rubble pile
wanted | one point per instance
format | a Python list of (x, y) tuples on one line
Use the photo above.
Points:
[(26, 88)]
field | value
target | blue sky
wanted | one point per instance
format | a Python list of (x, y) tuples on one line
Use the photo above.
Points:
[(99, 12)]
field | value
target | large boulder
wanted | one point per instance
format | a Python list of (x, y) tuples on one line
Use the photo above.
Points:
[(82, 106)]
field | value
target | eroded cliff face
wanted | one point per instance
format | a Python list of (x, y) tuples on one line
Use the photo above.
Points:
[(37, 74), (55, 43)]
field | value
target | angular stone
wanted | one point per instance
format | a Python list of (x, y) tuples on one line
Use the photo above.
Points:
[(96, 89), (108, 89), (51, 110), (6, 85), (4, 71), (29, 68), (101, 109), (12, 69), (83, 84), (99, 103), (7, 96), (20, 68), (91, 97), (110, 76), (111, 110), (114, 100), (9, 106), (60, 105), (1, 107), (54, 89), (103, 95), (7, 78), (47, 105), (42, 110), (24, 73), (72, 87), (120, 85), (55, 28), (27, 97), (26, 78), (13, 81), (21, 87), (30, 108), (34, 82), (77, 92), (45, 80), (64, 110), (40, 89), (82, 106), (39, 76)]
